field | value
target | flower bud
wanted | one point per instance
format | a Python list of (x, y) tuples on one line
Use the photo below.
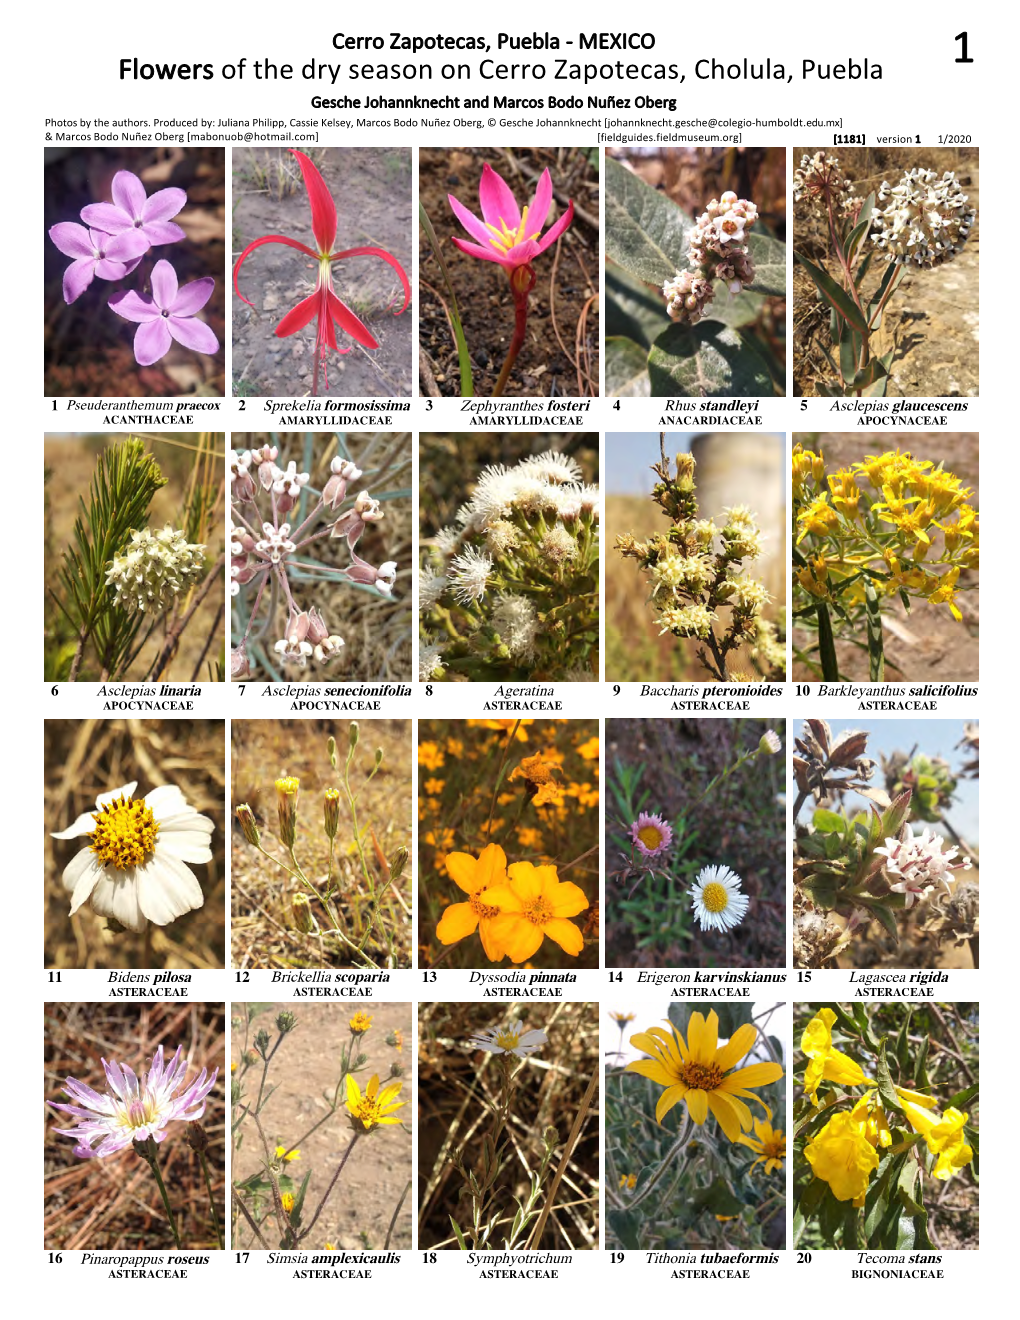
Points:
[(246, 819), (285, 1021), (331, 811), (195, 1136), (397, 863), (301, 911), (287, 789), (331, 750), (353, 734), (769, 743)]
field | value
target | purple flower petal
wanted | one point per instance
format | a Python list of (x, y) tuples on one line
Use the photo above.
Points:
[(162, 231), (73, 240), (134, 306), (110, 270), (125, 247), (469, 220), (163, 205), (194, 296), (539, 208), (192, 333), (498, 202), (77, 278), (152, 341), (129, 193), (106, 217), (164, 285)]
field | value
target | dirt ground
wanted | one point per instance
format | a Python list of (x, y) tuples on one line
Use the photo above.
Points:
[(87, 348), (72, 460), (931, 322), (307, 1065), (262, 932), (560, 354), (372, 190), (926, 643)]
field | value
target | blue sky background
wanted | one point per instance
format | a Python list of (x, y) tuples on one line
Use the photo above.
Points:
[(629, 455)]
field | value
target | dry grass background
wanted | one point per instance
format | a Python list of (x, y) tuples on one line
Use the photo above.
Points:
[(113, 1204), (84, 758), (262, 931), (457, 1083), (376, 630)]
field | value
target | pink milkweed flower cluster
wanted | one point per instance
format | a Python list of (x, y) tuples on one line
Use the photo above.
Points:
[(262, 545), (323, 302), (133, 1108), (110, 246)]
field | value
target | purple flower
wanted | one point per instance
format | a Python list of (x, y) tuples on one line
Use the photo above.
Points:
[(133, 1109), (168, 314), (131, 209), (651, 835), (110, 256)]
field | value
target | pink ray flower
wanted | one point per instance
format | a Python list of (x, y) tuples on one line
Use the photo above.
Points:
[(133, 1109), (167, 315), (96, 255), (132, 210), (323, 303), (511, 237)]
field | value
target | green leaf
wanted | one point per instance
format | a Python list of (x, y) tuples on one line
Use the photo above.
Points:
[(903, 1044), (962, 1097), (921, 1082), (626, 369), (884, 915), (705, 360), (851, 1218), (906, 1234), (646, 233), (633, 310), (876, 1199), (829, 822), (886, 1089), (887, 279), (458, 1234), (830, 1215), (849, 352), (834, 295), (769, 257), (717, 1199), (625, 1225)]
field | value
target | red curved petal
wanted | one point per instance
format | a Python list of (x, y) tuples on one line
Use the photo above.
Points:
[(349, 322), (298, 317), (268, 238), (386, 256), (322, 204)]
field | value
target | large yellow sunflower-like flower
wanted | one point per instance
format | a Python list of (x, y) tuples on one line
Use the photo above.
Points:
[(769, 1143), (697, 1071), (474, 875), (825, 1063), (533, 903), (374, 1108), (841, 1155)]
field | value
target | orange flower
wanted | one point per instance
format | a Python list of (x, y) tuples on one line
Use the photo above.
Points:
[(537, 772), (474, 875), (434, 785), (589, 751), (429, 756), (534, 902)]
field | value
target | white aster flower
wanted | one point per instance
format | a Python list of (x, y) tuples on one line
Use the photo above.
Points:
[(514, 618), (553, 467), (716, 898), (430, 660), (469, 575), (511, 1039), (431, 586), (134, 867)]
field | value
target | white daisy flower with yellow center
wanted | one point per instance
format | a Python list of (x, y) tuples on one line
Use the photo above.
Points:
[(716, 898), (134, 868), (509, 1039)]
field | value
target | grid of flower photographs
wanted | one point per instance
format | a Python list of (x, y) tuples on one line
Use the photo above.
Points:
[(514, 895)]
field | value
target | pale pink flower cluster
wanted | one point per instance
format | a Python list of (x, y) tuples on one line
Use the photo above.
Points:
[(916, 863), (716, 250)]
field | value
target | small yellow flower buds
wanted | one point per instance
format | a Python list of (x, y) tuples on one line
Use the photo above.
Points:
[(301, 911), (246, 819), (331, 812), (287, 789)]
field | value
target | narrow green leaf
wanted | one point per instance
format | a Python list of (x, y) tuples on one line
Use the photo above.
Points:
[(962, 1097), (827, 646), (886, 1089), (458, 1234), (834, 295)]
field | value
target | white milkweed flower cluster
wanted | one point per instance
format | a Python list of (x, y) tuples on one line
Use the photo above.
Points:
[(926, 219), (514, 584), (153, 569), (820, 182), (716, 250)]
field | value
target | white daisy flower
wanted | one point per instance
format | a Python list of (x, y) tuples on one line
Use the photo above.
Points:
[(716, 898), (134, 867), (511, 1039)]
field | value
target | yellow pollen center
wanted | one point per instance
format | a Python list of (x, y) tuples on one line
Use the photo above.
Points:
[(650, 836), (481, 909), (504, 238), (508, 1040), (368, 1111), (125, 833), (701, 1076), (715, 897), (136, 1113), (538, 912)]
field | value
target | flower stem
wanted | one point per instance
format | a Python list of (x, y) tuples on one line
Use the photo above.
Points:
[(525, 277), (147, 1150), (212, 1202)]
